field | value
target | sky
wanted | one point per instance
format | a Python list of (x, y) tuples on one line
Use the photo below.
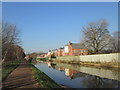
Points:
[(45, 26)]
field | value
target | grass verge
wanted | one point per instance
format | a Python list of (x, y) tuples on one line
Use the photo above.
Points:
[(103, 65), (8, 68), (43, 79), (93, 64)]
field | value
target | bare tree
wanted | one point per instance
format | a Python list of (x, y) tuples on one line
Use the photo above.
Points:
[(96, 36), (33, 55), (115, 41), (0, 42), (19, 52), (10, 41)]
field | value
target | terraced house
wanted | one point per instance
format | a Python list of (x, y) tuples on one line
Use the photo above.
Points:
[(71, 49), (75, 49)]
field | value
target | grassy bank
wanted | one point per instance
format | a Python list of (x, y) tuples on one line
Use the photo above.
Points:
[(43, 79), (101, 65), (93, 64), (8, 68), (44, 59)]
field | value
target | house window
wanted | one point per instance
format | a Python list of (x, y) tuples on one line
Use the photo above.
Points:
[(84, 51), (81, 51)]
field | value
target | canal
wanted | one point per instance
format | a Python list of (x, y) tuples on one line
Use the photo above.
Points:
[(76, 76)]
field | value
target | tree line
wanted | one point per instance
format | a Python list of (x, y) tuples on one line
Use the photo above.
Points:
[(35, 54), (11, 49), (97, 38)]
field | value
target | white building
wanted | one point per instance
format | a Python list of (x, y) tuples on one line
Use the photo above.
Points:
[(66, 49)]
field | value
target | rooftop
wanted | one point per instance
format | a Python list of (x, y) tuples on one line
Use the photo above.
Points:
[(78, 46)]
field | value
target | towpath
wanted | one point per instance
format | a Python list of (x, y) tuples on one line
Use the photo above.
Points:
[(21, 77)]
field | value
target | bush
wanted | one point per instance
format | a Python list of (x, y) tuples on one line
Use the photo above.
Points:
[(53, 56)]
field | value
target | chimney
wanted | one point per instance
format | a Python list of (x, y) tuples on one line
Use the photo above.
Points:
[(68, 42)]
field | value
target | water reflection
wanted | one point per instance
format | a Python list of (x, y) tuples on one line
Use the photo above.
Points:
[(97, 82), (71, 73), (77, 76), (68, 72), (101, 72)]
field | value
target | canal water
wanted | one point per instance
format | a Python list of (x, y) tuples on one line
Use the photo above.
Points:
[(76, 76)]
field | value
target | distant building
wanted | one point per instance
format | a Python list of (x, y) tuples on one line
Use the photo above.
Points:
[(27, 57), (56, 52), (66, 50), (60, 51), (71, 49), (75, 49), (49, 53), (38, 56)]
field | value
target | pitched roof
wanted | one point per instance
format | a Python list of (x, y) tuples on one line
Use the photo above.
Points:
[(61, 48), (78, 46)]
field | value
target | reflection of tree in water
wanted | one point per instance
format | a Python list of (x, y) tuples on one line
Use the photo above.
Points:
[(53, 65), (97, 82)]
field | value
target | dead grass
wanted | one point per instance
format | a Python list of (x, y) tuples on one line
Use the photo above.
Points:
[(93, 64), (98, 64)]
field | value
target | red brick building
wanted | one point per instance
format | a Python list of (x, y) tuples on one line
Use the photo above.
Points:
[(75, 49), (71, 49), (60, 52)]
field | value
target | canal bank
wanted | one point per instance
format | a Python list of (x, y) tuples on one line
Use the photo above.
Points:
[(99, 60), (43, 79), (26, 75), (77, 76)]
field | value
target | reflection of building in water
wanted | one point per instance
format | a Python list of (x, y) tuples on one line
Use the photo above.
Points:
[(49, 64), (70, 73), (61, 69)]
